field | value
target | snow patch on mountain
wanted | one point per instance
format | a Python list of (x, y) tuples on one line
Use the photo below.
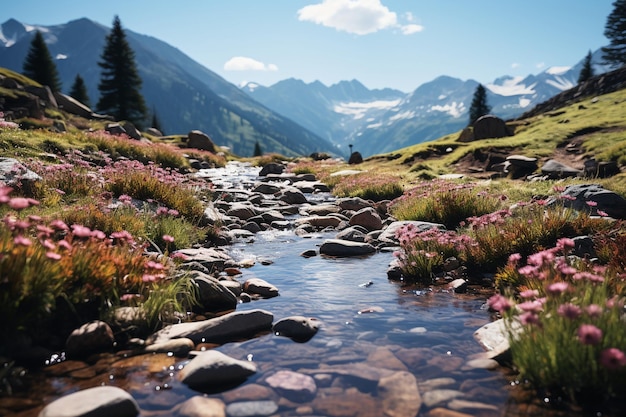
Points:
[(561, 83), (557, 70), (454, 109), (511, 87), (359, 109), (403, 115)]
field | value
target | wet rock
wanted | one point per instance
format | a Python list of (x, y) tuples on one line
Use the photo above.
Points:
[(232, 285), (353, 203), (320, 210), (212, 368), (351, 233), (444, 412), (260, 287), (243, 211), (554, 169), (463, 405), (399, 395), (362, 371), (481, 364), (178, 347), (93, 402), (252, 227), (294, 386), (265, 188), (345, 403), (345, 248), (251, 409), (459, 286), (199, 406), (435, 383), (291, 196), (210, 258), (493, 337), (212, 295), (384, 358), (218, 329), (309, 253), (439, 396), (249, 392), (271, 168), (368, 218), (319, 221), (95, 336), (299, 328)]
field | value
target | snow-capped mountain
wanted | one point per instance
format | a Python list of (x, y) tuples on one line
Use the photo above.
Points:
[(381, 121)]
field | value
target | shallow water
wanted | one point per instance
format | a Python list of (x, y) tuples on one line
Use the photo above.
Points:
[(366, 320)]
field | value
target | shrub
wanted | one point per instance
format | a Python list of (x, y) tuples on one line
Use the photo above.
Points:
[(572, 340), (444, 202)]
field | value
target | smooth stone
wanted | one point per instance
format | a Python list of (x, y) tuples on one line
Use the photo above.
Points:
[(368, 218), (200, 406), (438, 396), (251, 409), (218, 329), (90, 337), (444, 412), (459, 405), (294, 386), (213, 368), (382, 357), (345, 248), (103, 401), (319, 221), (400, 395), (297, 327), (178, 347), (481, 364), (434, 383), (261, 287)]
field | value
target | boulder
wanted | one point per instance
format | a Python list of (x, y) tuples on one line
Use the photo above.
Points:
[(319, 221), (212, 295), (200, 140), (490, 126), (602, 169), (242, 211), (555, 169), (260, 287), (355, 158), (153, 131), (271, 168), (102, 401), (215, 369), (351, 233), (519, 165), (592, 198), (115, 129), (292, 195), (131, 130), (345, 248), (299, 328), (293, 386), (219, 329), (400, 395), (91, 337), (71, 105), (368, 218), (210, 258), (252, 408)]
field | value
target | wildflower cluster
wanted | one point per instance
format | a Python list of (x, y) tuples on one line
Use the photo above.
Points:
[(572, 338)]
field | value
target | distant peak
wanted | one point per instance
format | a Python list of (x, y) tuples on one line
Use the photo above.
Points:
[(557, 70)]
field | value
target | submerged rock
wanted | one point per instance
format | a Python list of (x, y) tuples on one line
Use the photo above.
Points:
[(93, 402), (212, 368), (294, 386)]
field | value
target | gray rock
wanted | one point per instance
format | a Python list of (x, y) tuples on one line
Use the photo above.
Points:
[(459, 285), (554, 169), (299, 328), (438, 396), (577, 197), (490, 126), (251, 408), (178, 347), (320, 210), (351, 233), (200, 406), (260, 287), (293, 386), (212, 259), (353, 203), (265, 188), (242, 211), (389, 233), (271, 168), (95, 336), (212, 295), (292, 195), (494, 338), (93, 402), (345, 248), (212, 368), (368, 218), (13, 172), (218, 329)]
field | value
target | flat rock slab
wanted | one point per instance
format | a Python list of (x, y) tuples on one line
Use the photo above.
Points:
[(218, 329), (345, 248), (294, 386), (93, 402), (212, 368)]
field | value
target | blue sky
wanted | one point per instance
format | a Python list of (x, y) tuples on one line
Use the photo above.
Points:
[(382, 43)]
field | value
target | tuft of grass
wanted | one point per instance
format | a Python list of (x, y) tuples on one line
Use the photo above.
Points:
[(368, 187)]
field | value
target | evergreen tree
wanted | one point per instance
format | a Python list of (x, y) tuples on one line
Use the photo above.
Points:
[(587, 71), (615, 31), (39, 65), (79, 91), (257, 149), (479, 106), (120, 83)]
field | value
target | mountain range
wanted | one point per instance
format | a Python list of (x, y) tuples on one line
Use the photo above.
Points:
[(184, 94), (290, 117), (380, 121)]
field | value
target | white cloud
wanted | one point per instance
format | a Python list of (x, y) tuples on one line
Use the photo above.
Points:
[(515, 65), (353, 16), (411, 29), (242, 63), (540, 65), (61, 56)]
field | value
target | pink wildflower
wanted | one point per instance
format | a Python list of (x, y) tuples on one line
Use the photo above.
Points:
[(98, 234), (19, 203), (588, 334), (499, 303), (591, 203), (81, 231), (168, 238), (149, 278), (127, 297), (530, 306), (594, 310), (52, 255), (154, 265), (48, 244), (529, 318), (64, 244), (179, 255), (173, 212), (589, 277), (58, 225), (33, 218), (565, 243), (557, 288), (612, 358), (514, 258), (569, 311), (20, 240), (602, 213), (529, 294)]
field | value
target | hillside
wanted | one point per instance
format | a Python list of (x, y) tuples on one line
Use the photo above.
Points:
[(184, 94)]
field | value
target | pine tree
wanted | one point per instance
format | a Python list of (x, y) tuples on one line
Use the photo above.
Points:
[(479, 106), (257, 149), (587, 71), (39, 65), (615, 31), (79, 91), (120, 83)]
